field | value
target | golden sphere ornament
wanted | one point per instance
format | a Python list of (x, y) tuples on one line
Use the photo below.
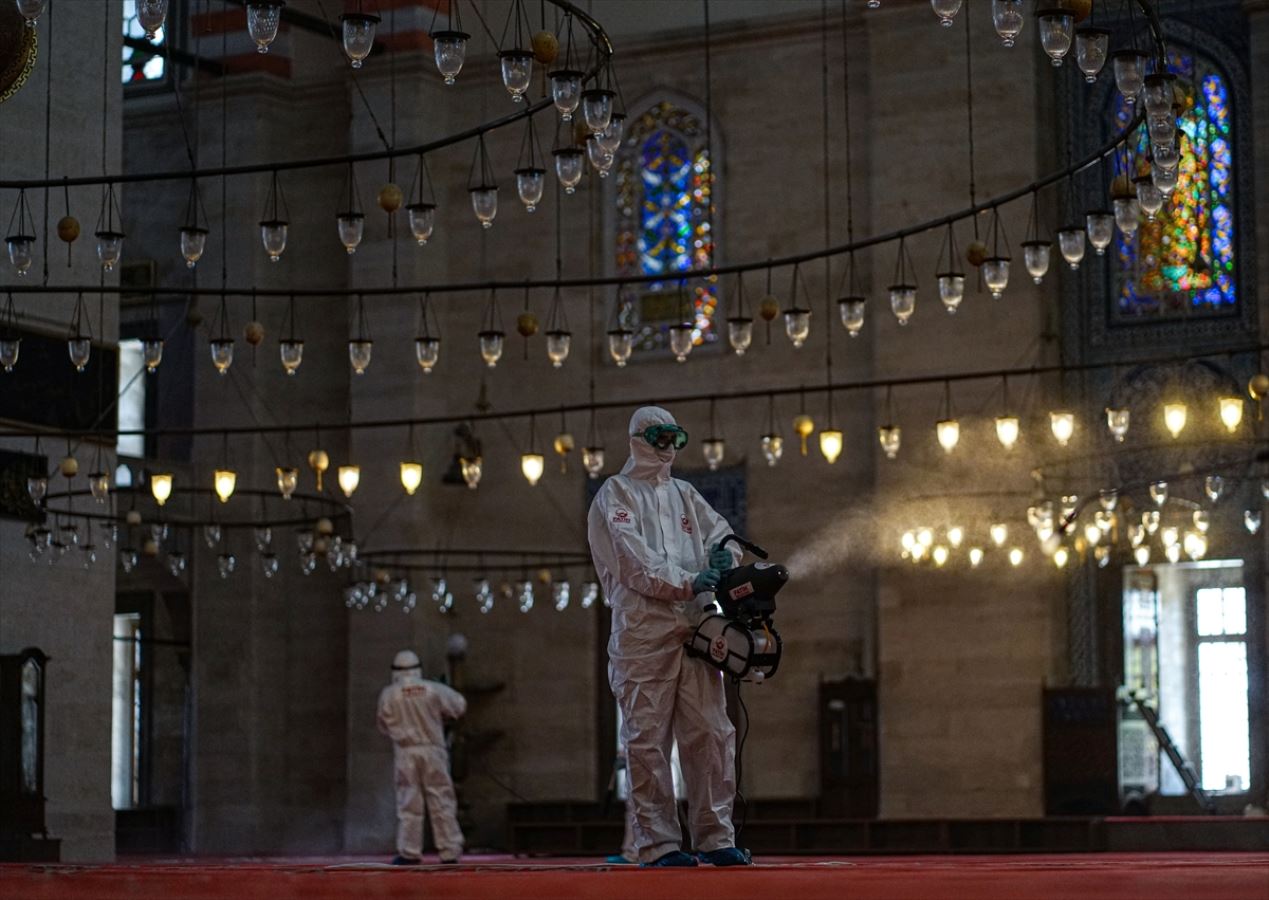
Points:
[(390, 197), (1258, 386), (150, 547), (324, 527), (804, 425), (545, 47), (527, 324), (975, 253), (1080, 9), (68, 229), (254, 333), (69, 466), (133, 517), (769, 308)]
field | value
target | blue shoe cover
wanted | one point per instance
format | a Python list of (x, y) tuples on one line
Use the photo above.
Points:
[(676, 858), (618, 860), (727, 856)]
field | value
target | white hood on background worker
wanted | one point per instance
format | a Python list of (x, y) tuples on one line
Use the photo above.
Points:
[(646, 462)]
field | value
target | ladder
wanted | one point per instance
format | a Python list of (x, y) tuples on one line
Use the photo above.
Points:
[(1183, 767)]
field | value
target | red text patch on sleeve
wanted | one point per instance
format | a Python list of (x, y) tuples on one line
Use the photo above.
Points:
[(621, 517)]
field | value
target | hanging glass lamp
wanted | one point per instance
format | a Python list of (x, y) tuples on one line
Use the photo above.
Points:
[(1117, 422), (263, 19), (951, 289), (1092, 45), (566, 92), (946, 10), (517, 72), (681, 336), (1071, 243), (1129, 65), (358, 36), (1036, 256), (450, 51), (569, 165), (890, 437), (1006, 16), (530, 183), (996, 275), (597, 108), (851, 310), (1057, 29), (1100, 224)]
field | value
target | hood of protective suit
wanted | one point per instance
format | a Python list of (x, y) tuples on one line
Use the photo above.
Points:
[(406, 667), (646, 462)]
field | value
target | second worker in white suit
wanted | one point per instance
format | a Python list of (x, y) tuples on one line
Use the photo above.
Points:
[(655, 541)]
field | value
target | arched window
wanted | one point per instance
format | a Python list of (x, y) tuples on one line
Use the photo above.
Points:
[(1182, 264), (664, 183)]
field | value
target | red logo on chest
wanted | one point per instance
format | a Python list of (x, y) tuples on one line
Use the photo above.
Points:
[(621, 517), (685, 525)]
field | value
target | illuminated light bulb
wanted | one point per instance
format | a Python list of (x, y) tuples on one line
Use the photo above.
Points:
[(1104, 521), (1062, 424), (1251, 520), (772, 448), (620, 346), (1060, 557), (948, 432), (1136, 534), (1159, 492), (349, 478), (558, 344), (1036, 255), (422, 218), (427, 352), (1015, 557), (532, 465), (222, 353), (471, 467), (1231, 413), (903, 302), (890, 437), (1174, 418), (1202, 520), (831, 444), (851, 311), (951, 290), (955, 536), (593, 461), (288, 480), (359, 353), (939, 554), (1108, 498), (224, 481), (918, 552), (681, 341), (797, 325), (161, 486), (925, 537), (1169, 535), (996, 275), (1150, 521), (1195, 545), (1142, 554), (713, 449), (1213, 486), (1007, 431), (908, 540), (1172, 553), (999, 532), (975, 557), (292, 354), (80, 350), (411, 476), (560, 595), (152, 353), (491, 343), (1117, 421), (1071, 245), (1092, 534), (99, 486)]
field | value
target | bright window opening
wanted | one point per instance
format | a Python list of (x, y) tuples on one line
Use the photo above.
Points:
[(131, 405), (125, 732)]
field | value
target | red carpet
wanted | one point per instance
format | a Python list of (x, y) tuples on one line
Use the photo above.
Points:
[(1229, 876)]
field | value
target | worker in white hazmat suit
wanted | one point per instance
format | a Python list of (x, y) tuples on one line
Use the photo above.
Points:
[(412, 712), (655, 544)]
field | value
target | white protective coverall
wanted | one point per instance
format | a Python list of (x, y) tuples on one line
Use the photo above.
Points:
[(650, 535), (412, 712)]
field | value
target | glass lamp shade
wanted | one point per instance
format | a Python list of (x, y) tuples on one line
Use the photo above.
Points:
[(890, 437), (566, 92), (601, 159), (1195, 545), (1101, 229), (946, 10), (10, 347), (193, 243), (422, 218), (951, 290), (593, 461), (597, 108), (222, 353), (713, 449), (359, 36), (530, 183), (740, 333), (411, 476), (797, 325), (1129, 66), (1202, 520), (772, 448), (517, 72), (996, 275), (99, 486), (1117, 421), (1159, 494), (1161, 128), (620, 346), (273, 236), (1156, 93), (291, 354), (1036, 256), (610, 137), (1231, 413), (1252, 520), (903, 301), (1127, 211), (999, 533), (491, 343), (1007, 431), (427, 350), (31, 10), (1175, 416), (831, 444), (1164, 178), (1006, 16), (569, 164), (152, 353), (471, 467), (151, 15), (288, 480), (558, 344), (161, 486), (224, 481), (532, 465), (109, 248), (1149, 197), (79, 349), (1071, 245), (1214, 487), (1108, 498), (351, 227), (263, 18), (1092, 45), (176, 563), (1167, 156), (851, 310), (21, 251), (349, 479), (484, 202), (451, 52), (681, 341), (948, 432), (1057, 29), (359, 352), (1062, 424)]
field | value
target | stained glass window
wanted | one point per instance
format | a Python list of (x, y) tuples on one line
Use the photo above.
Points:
[(141, 66), (664, 182), (1182, 264)]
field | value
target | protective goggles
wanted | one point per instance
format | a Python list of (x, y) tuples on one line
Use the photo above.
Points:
[(663, 437)]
